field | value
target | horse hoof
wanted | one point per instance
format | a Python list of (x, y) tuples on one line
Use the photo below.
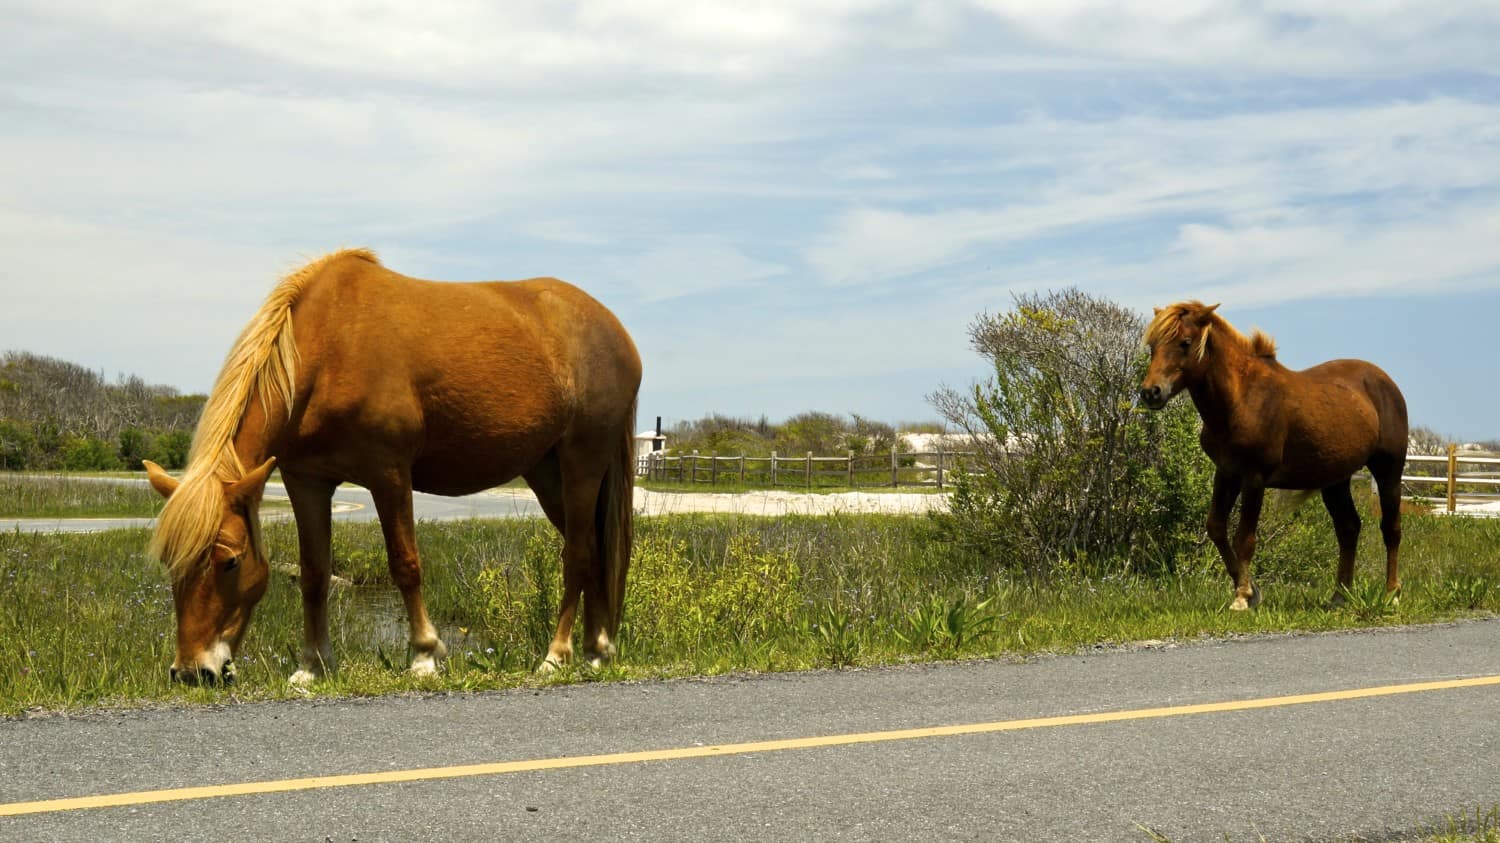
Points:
[(1239, 605), (302, 678), (423, 666), (548, 667), (1254, 596)]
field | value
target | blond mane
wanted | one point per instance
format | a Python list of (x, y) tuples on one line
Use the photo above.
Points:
[(1169, 324), (263, 361)]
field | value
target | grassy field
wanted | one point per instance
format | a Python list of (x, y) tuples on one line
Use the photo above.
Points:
[(64, 496), (88, 619)]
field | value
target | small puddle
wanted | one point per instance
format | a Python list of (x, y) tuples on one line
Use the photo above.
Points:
[(374, 616)]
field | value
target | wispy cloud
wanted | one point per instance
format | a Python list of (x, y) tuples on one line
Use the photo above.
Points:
[(1290, 190), (855, 179)]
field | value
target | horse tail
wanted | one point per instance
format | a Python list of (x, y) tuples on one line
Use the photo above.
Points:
[(615, 521)]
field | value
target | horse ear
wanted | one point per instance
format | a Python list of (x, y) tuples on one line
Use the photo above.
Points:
[(1155, 311), (1211, 308), (248, 489), (164, 483)]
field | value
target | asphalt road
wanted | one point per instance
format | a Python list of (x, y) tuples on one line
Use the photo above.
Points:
[(1377, 766), (351, 503)]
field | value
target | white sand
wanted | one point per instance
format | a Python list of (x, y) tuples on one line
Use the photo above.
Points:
[(777, 502), (773, 502)]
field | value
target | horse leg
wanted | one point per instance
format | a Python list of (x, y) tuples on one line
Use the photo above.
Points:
[(1340, 504), (393, 505), (1226, 490), (312, 505), (545, 480), (583, 567), (1246, 594), (1388, 480)]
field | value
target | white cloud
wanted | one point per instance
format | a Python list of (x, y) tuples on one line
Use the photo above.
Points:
[(1386, 38), (1263, 176), (684, 266), (166, 160)]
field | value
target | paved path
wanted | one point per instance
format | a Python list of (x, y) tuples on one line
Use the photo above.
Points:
[(351, 503), (1126, 754)]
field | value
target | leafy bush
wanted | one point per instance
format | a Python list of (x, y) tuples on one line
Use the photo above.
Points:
[(1071, 475), (85, 453)]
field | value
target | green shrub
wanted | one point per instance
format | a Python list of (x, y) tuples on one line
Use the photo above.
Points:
[(85, 453), (1071, 477)]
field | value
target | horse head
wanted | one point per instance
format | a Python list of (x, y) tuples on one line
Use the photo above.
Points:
[(209, 536), (1178, 340)]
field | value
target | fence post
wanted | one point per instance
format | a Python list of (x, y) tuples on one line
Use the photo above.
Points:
[(742, 469), (1452, 477), (773, 469), (713, 470), (940, 466), (851, 469), (809, 469), (894, 481)]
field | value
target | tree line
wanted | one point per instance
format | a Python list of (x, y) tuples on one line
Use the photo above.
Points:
[(57, 415), (824, 434)]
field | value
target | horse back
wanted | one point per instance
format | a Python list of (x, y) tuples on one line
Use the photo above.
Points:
[(1339, 416), (469, 384), (1368, 382)]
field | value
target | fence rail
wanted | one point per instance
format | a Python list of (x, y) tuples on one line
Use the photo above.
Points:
[(937, 468), (899, 468), (1452, 478)]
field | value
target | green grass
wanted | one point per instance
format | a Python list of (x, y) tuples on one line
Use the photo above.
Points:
[(60, 496), (88, 619), (1476, 825)]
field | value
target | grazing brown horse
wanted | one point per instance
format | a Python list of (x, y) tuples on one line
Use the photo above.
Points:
[(351, 372), (1266, 426)]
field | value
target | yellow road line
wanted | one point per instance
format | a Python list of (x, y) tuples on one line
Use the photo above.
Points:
[(116, 800)]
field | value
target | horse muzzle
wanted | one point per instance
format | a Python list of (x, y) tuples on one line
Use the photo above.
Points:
[(212, 666), (1154, 397), (203, 675)]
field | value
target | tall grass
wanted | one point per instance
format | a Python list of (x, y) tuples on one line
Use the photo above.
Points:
[(87, 619), (33, 496)]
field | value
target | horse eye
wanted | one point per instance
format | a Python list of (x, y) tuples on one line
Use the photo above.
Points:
[(1185, 345), (231, 563)]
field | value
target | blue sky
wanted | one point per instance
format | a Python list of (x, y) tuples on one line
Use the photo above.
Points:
[(791, 205)]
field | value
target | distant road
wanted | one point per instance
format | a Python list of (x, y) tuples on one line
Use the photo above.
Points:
[(351, 503)]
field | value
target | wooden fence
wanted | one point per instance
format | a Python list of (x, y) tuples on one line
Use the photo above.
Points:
[(1483, 483), (937, 468), (910, 468)]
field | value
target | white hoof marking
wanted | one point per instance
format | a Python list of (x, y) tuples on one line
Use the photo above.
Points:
[(423, 665), (303, 678)]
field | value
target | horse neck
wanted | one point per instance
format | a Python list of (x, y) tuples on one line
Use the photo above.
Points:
[(261, 433), (1219, 390)]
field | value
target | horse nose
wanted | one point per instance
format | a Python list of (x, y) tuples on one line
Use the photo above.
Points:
[(188, 676), (1150, 394)]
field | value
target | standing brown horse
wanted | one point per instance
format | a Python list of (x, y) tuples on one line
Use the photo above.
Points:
[(1265, 426), (351, 372)]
